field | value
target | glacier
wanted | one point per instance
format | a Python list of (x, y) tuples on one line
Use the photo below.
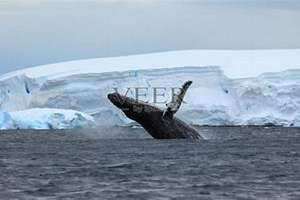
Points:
[(258, 87)]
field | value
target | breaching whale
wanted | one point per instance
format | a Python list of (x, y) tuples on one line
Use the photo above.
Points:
[(160, 124)]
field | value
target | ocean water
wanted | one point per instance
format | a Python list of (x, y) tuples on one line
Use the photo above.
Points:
[(125, 163)]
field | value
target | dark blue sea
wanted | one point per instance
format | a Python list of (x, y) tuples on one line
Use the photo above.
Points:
[(125, 163)]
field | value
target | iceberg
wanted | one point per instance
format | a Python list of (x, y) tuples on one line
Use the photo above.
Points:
[(6, 121), (256, 87), (45, 119)]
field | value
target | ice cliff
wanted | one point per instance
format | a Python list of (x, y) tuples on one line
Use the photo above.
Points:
[(229, 87)]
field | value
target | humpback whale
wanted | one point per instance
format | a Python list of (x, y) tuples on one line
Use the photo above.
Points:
[(160, 124)]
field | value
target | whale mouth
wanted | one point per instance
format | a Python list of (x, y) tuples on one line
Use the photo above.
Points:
[(126, 104), (119, 100), (116, 99)]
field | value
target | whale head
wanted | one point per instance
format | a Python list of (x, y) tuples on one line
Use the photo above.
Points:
[(122, 102), (133, 109)]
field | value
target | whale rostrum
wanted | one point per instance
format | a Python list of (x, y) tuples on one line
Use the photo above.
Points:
[(160, 124)]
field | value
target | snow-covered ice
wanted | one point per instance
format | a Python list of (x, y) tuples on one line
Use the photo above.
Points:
[(229, 87), (234, 63)]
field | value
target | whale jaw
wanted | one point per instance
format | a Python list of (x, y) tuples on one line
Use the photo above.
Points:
[(120, 101), (132, 108)]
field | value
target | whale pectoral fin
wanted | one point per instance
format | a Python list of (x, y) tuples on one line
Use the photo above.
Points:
[(176, 102)]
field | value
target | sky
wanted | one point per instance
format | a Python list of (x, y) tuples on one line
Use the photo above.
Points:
[(35, 32)]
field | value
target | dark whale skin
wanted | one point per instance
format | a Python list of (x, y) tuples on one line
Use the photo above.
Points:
[(150, 118)]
